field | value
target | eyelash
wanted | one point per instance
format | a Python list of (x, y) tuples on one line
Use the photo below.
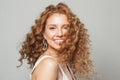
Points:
[(65, 27), (51, 28)]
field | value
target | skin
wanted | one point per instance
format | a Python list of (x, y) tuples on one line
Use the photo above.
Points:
[(55, 28), (46, 70)]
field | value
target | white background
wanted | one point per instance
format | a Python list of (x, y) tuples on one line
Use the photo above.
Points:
[(101, 17)]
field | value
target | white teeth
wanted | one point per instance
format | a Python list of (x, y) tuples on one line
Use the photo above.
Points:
[(58, 40)]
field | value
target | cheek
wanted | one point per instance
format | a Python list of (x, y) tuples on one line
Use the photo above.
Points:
[(50, 34), (65, 32)]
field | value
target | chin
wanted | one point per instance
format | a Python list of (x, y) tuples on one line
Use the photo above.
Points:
[(57, 48)]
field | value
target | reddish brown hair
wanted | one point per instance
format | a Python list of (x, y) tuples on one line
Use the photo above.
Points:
[(76, 51)]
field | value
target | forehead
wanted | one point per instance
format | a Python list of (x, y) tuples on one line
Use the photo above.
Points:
[(57, 18)]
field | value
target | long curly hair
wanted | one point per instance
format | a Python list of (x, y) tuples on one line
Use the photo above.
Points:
[(76, 50)]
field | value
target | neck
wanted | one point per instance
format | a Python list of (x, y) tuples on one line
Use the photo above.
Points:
[(51, 52), (55, 53)]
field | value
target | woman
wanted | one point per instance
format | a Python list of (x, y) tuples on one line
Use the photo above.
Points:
[(57, 48)]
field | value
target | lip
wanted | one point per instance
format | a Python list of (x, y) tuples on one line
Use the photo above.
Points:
[(58, 41), (58, 38)]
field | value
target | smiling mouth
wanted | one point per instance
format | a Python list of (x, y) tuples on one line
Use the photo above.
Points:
[(58, 41)]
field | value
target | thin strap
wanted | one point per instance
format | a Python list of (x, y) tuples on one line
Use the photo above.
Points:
[(43, 57), (71, 72), (63, 74), (39, 60)]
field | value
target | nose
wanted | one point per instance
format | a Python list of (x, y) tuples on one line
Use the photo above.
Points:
[(59, 33)]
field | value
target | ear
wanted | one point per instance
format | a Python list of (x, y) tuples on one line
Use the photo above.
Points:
[(44, 35)]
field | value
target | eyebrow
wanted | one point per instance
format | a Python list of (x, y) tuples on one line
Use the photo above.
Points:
[(56, 24), (51, 25)]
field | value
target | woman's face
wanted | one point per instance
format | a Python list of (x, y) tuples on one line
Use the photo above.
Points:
[(55, 29)]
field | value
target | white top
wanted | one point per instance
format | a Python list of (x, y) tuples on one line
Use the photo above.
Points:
[(43, 57)]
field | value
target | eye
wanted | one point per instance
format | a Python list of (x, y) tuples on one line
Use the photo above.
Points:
[(65, 27), (51, 28)]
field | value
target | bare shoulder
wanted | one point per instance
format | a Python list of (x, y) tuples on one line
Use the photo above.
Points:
[(46, 69), (49, 62)]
